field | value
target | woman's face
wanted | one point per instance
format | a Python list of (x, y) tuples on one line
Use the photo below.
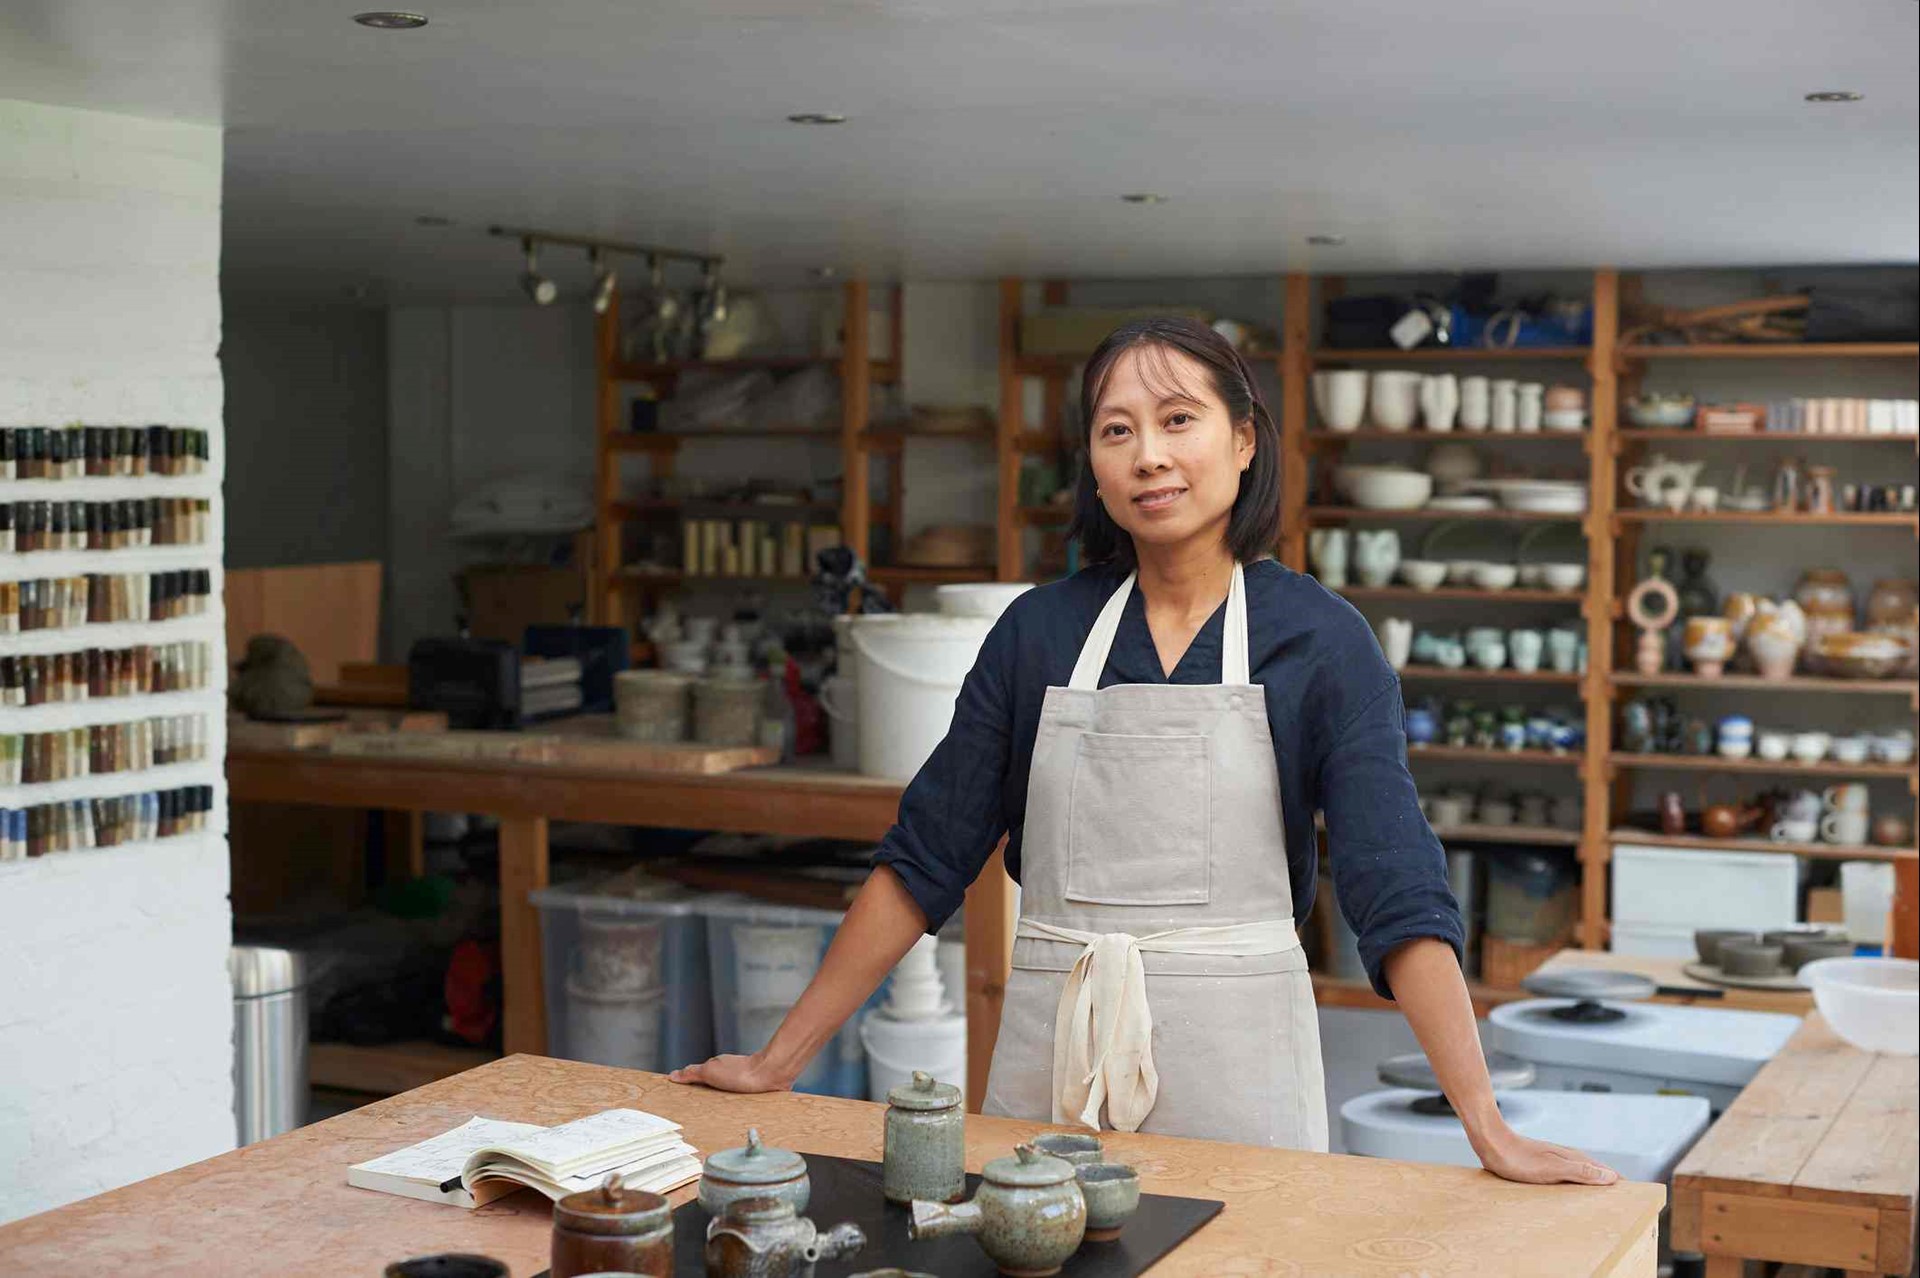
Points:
[(1166, 456)]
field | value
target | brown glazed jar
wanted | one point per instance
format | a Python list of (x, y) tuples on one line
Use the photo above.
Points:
[(612, 1230)]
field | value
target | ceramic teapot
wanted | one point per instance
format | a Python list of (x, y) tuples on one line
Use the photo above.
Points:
[(767, 1238), (1028, 1214), (1662, 482)]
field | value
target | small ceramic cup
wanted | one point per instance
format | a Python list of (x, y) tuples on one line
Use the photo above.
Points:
[(1750, 958), (1069, 1147), (1452, 809), (1802, 950), (1524, 648), (1811, 747), (1773, 746), (1496, 812), (1733, 736), (1848, 828), (1894, 747), (1796, 830), (1563, 650), (1853, 749), (1707, 942), (1851, 797), (1112, 1193)]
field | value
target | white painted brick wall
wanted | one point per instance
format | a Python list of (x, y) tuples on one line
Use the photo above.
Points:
[(115, 1012)]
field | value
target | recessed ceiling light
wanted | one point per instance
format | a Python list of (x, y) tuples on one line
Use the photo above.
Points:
[(391, 20), (1836, 95), (1144, 197), (1326, 241), (816, 117), (432, 219)]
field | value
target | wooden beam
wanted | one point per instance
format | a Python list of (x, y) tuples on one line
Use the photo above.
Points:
[(990, 920), (1011, 555), (1603, 400), (856, 382), (1296, 372), (523, 869), (603, 597)]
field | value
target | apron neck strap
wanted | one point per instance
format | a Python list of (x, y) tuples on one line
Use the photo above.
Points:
[(1233, 637)]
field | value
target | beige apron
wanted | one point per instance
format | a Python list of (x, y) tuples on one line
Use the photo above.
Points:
[(1157, 982)]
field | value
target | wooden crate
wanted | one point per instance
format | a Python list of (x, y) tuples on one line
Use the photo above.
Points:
[(1504, 963)]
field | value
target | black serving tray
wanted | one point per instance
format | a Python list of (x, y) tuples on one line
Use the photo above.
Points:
[(849, 1189)]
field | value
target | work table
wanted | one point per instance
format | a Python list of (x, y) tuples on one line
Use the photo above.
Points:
[(283, 1206)]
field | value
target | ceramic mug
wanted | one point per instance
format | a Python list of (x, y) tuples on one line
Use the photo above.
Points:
[(1452, 809), (1523, 649), (1439, 401), (1704, 499), (1475, 403), (1811, 747), (1563, 650), (1341, 396), (1773, 746), (1801, 805), (1795, 830), (1489, 655), (1396, 399), (1844, 827), (1851, 797), (1527, 411), (1506, 405)]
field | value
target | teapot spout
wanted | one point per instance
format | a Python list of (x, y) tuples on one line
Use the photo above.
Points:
[(839, 1242), (942, 1220)]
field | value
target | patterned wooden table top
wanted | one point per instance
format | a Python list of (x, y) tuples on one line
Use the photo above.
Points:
[(283, 1207)]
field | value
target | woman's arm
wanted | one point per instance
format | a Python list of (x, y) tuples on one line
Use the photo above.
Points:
[(881, 926), (1433, 995)]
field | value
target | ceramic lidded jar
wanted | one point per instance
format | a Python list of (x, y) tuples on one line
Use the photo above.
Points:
[(612, 1230), (1826, 596), (755, 1170), (1894, 608), (925, 1146), (1028, 1215), (766, 1238)]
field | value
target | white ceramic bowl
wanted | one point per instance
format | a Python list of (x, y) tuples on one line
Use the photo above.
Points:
[(1384, 487), (1564, 419), (1460, 571), (1495, 576), (1563, 577), (1665, 415), (1423, 574), (1873, 1003)]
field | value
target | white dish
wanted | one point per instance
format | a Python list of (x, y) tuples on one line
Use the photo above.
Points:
[(1665, 414), (1873, 1003), (1565, 578), (1568, 419), (1423, 574), (1495, 576), (1383, 487), (1461, 502), (1460, 571)]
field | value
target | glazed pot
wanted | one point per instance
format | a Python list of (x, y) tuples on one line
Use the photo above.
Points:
[(766, 1238), (1892, 831), (925, 1143), (1028, 1215), (612, 1230), (754, 1170), (1826, 596), (1709, 644), (1376, 554), (1894, 608), (1112, 1191)]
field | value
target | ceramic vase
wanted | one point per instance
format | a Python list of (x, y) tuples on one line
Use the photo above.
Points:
[(1396, 640), (1527, 410), (1328, 546), (1439, 401), (1476, 403), (1395, 396), (1376, 555), (1341, 395), (1506, 406)]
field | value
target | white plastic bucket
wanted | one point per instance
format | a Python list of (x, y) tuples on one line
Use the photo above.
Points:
[(840, 698), (911, 667), (619, 955), (620, 1029), (897, 1048), (979, 598), (772, 965)]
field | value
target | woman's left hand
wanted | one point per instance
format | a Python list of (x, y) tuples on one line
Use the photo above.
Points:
[(1512, 1156)]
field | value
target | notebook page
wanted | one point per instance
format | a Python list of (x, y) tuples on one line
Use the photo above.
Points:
[(587, 1140), (441, 1158)]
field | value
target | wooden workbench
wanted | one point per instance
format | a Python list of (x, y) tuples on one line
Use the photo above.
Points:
[(794, 801), (1674, 982), (283, 1207), (1815, 1163)]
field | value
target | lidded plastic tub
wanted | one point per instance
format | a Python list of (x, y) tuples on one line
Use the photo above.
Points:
[(626, 972), (762, 957)]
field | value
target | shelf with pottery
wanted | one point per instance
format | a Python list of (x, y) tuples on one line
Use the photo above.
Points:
[(1822, 851), (1414, 594), (1342, 514), (1772, 767), (1449, 354), (1760, 683), (1491, 754), (654, 371), (1324, 437), (1475, 674), (1772, 350), (1479, 832), (1630, 435), (1785, 518)]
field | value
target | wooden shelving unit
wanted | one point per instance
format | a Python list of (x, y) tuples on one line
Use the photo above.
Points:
[(1798, 438), (1826, 851), (1614, 372), (1784, 768), (1473, 674), (1483, 754)]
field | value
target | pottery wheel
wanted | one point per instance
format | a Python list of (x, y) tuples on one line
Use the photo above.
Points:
[(1413, 1071), (1712, 975), (1590, 985)]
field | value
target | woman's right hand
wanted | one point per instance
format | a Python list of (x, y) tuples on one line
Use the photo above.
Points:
[(733, 1074)]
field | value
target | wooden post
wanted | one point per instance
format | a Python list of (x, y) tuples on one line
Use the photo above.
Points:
[(1296, 374), (523, 869), (856, 501), (603, 592), (990, 920), (1596, 849), (1010, 441), (404, 836)]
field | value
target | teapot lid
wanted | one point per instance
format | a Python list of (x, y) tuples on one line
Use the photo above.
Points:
[(923, 1093), (611, 1208), (756, 1164), (1028, 1168)]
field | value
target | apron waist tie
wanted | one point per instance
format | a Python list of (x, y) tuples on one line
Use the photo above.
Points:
[(1103, 1029)]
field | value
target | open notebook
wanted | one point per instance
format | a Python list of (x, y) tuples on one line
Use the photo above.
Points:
[(487, 1158)]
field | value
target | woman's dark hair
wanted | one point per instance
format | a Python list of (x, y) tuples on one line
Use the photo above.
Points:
[(1253, 529)]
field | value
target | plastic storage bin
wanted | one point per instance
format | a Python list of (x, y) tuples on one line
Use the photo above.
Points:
[(762, 957), (627, 980)]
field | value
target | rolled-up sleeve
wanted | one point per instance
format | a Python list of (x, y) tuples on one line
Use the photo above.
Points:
[(952, 813), (1389, 870)]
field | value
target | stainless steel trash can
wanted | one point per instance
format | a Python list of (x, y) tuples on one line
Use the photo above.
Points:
[(269, 1041)]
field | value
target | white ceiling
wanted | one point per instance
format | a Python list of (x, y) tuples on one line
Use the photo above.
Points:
[(995, 136)]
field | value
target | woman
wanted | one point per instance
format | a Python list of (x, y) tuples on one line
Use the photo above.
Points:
[(1154, 734)]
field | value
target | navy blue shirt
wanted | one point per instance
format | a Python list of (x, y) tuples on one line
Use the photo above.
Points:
[(1333, 704)]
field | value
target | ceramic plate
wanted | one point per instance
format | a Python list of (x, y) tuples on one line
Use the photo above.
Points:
[(1714, 976), (1461, 503)]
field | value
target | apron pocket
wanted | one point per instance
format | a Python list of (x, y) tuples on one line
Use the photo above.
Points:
[(1138, 821)]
